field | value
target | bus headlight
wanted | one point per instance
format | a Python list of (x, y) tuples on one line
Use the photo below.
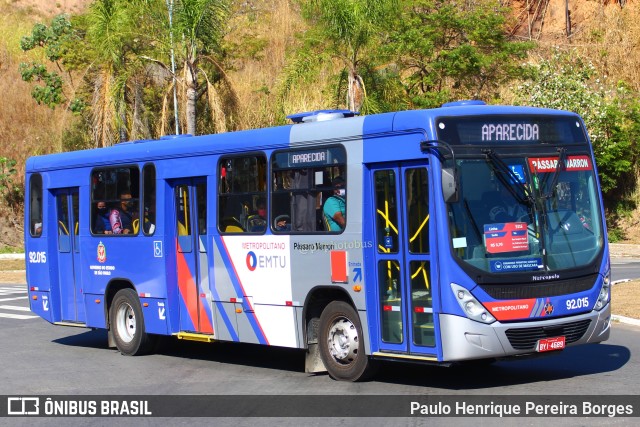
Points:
[(471, 306), (605, 292)]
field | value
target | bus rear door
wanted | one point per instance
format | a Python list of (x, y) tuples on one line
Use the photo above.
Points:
[(68, 226), (402, 301), (191, 255)]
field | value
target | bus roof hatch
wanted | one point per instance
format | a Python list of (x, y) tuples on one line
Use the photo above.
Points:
[(463, 103), (320, 115)]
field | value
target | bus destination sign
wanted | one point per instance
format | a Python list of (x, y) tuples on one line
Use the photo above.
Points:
[(511, 130), (310, 158)]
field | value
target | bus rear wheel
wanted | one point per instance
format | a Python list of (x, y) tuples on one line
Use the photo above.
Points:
[(127, 323), (341, 343)]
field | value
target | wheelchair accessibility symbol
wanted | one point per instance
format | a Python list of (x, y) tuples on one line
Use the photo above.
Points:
[(157, 249)]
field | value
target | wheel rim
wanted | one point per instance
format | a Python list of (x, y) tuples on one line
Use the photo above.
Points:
[(343, 341), (126, 322)]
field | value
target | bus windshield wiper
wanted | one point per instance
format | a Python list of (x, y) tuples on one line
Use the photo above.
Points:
[(560, 166), (501, 169)]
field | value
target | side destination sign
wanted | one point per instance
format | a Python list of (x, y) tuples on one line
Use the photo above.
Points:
[(310, 158)]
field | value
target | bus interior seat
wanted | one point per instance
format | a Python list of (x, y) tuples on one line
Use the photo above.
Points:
[(325, 222), (182, 230), (136, 225), (255, 223), (231, 225)]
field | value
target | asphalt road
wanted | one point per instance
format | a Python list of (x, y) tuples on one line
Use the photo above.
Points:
[(625, 269), (39, 358)]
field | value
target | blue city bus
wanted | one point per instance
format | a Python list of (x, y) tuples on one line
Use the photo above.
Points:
[(466, 232)]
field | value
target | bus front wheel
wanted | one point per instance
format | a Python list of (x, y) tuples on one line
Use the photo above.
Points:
[(341, 343), (127, 323)]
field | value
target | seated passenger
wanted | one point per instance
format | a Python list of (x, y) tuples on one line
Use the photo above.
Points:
[(122, 219), (102, 224), (258, 222), (282, 223), (335, 207)]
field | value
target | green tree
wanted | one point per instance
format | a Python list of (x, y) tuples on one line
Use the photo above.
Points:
[(110, 35), (351, 29), (55, 40), (198, 27), (453, 49), (566, 81)]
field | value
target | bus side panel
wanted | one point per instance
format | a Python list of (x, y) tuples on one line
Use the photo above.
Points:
[(155, 315), (95, 310), (145, 272), (225, 323), (40, 304), (323, 254)]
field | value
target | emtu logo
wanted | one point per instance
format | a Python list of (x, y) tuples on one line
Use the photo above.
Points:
[(252, 261), (265, 261)]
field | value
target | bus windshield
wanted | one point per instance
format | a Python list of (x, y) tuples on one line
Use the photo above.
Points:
[(527, 213)]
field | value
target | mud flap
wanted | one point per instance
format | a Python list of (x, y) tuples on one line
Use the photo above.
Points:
[(313, 363)]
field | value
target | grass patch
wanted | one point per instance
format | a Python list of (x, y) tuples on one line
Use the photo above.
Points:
[(625, 299)]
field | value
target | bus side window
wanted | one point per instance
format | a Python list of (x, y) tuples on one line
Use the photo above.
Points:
[(305, 194), (242, 184), (35, 205), (117, 188)]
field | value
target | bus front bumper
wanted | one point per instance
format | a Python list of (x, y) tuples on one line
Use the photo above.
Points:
[(465, 339)]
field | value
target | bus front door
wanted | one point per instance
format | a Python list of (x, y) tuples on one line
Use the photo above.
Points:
[(402, 299), (68, 226), (190, 198)]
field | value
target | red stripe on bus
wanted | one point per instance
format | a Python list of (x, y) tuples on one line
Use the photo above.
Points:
[(187, 287)]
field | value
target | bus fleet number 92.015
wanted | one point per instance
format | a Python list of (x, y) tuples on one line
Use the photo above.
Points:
[(576, 303)]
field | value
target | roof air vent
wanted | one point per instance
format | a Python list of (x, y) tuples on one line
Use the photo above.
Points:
[(184, 135), (464, 103), (320, 115)]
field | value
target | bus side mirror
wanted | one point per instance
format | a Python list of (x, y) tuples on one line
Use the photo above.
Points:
[(449, 185)]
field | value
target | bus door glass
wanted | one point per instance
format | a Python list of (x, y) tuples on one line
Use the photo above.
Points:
[(68, 226), (402, 256), (191, 255)]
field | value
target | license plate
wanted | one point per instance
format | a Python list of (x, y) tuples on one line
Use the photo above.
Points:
[(550, 344)]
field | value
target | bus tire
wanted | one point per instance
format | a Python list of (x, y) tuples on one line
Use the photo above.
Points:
[(341, 343), (127, 323)]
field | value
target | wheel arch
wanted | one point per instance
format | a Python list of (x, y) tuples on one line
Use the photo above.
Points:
[(317, 299), (113, 287)]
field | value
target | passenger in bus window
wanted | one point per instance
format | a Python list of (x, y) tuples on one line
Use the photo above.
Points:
[(282, 223), (122, 219), (335, 206), (101, 223), (258, 222)]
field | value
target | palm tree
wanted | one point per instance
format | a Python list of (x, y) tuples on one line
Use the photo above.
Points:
[(351, 27), (197, 29), (116, 68)]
